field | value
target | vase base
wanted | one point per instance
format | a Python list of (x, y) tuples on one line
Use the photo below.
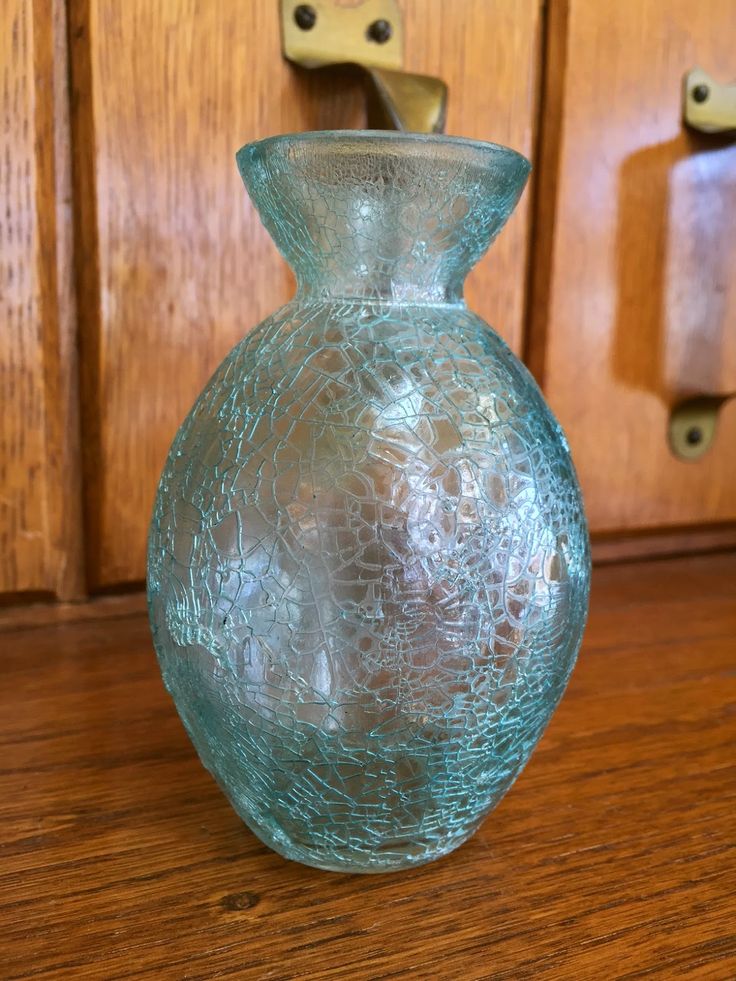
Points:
[(388, 856)]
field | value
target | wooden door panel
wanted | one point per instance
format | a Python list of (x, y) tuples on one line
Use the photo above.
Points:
[(177, 267), (40, 519), (634, 302)]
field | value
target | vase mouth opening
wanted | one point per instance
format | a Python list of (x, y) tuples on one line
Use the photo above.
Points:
[(380, 213), (441, 149)]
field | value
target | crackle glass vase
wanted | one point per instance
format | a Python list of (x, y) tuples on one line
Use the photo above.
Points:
[(368, 561)]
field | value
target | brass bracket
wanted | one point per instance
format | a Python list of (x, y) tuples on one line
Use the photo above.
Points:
[(708, 106), (326, 32), (693, 424), (369, 34)]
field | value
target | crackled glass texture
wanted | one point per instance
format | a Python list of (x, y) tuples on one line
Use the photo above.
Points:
[(368, 562)]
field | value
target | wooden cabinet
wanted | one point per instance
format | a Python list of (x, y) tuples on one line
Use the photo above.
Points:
[(634, 304), (40, 517), (615, 277), (179, 266)]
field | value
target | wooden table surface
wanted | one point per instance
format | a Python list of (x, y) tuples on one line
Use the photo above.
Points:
[(612, 857)]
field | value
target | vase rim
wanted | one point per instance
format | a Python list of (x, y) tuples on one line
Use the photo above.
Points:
[(485, 150)]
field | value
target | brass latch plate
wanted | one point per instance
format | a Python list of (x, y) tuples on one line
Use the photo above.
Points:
[(329, 32), (693, 424), (708, 106)]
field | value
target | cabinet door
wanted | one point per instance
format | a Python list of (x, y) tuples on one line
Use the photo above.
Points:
[(40, 517), (634, 302), (177, 267)]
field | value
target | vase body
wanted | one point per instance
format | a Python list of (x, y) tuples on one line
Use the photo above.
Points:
[(368, 561)]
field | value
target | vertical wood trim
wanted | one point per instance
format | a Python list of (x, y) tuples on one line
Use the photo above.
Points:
[(538, 109), (40, 513), (87, 278), (58, 306), (547, 164)]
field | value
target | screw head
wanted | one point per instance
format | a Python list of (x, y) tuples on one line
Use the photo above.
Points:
[(700, 93), (694, 435), (305, 16), (379, 31)]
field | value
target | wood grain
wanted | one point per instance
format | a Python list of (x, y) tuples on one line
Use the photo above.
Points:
[(634, 297), (613, 856), (14, 616), (175, 266), (40, 515), (663, 542)]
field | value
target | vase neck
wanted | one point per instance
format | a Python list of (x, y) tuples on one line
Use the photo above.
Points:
[(382, 216)]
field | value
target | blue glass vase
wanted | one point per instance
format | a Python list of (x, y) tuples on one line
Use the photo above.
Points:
[(368, 561)]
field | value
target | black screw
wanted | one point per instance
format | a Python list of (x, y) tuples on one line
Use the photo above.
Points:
[(305, 16), (694, 435), (700, 93), (379, 31)]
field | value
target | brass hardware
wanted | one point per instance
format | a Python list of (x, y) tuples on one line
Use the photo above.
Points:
[(693, 425), (370, 35), (708, 106), (413, 103), (339, 34)]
